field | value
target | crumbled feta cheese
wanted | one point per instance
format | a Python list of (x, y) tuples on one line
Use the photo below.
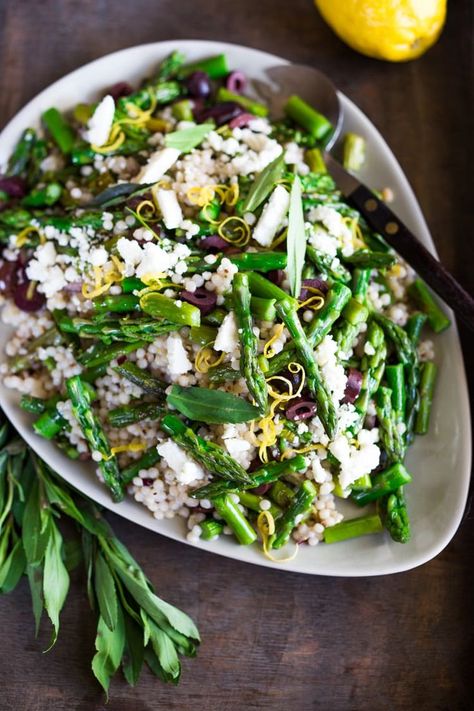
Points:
[(186, 470), (321, 240), (354, 461), (158, 164), (272, 216), (98, 256), (100, 123), (227, 338), (170, 208), (177, 358)]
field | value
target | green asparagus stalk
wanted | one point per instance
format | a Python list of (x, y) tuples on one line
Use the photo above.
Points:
[(121, 303), (216, 67), (427, 384), (371, 260), (59, 130), (163, 307), (43, 197), (388, 425), (235, 519), (129, 414), (353, 528), (253, 501), (211, 529), (281, 494), (360, 284), (302, 113), (326, 409), (396, 380), (414, 326), (254, 107), (101, 353), (210, 455), (249, 365), (393, 512), (383, 483), (267, 474), (148, 459), (326, 265), (314, 158), (372, 367), (94, 434), (353, 157), (19, 159), (300, 505), (353, 315), (420, 293), (148, 383)]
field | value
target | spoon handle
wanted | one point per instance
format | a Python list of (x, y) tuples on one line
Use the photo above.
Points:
[(383, 220)]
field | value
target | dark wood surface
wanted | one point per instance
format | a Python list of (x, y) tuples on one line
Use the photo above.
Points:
[(272, 640)]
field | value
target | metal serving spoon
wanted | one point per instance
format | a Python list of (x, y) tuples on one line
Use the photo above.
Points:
[(317, 90)]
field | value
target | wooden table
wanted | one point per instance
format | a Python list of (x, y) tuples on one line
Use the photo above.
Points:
[(272, 640)]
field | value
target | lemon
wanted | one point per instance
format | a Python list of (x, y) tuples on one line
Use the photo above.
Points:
[(396, 30)]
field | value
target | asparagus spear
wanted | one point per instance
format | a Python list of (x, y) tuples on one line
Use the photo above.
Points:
[(101, 353), (51, 337), (393, 512), (326, 409), (353, 315), (148, 383), (427, 383), (249, 364), (383, 483), (211, 529), (414, 326), (129, 414), (334, 302), (20, 157), (353, 152), (360, 284), (371, 260), (391, 439), (210, 455), (147, 460), (353, 528), (326, 265), (426, 301), (59, 130), (281, 494), (372, 367), (234, 518), (253, 501), (300, 505), (396, 381), (264, 475), (94, 434)]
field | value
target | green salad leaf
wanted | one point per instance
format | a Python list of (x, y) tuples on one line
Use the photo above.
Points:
[(188, 138), (296, 238), (264, 184), (211, 406)]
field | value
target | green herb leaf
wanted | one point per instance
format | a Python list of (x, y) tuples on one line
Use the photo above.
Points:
[(12, 568), (116, 194), (106, 592), (296, 238), (165, 652), (211, 406), (134, 651), (188, 138), (35, 580), (35, 536), (110, 646), (55, 579), (264, 184)]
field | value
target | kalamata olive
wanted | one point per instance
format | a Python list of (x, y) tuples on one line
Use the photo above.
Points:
[(308, 286), (221, 113), (300, 409), (236, 81), (203, 299), (261, 490), (370, 422), (213, 242), (13, 185), (353, 385), (241, 120), (276, 276), (121, 88), (256, 463), (27, 299), (8, 276), (198, 85), (121, 359)]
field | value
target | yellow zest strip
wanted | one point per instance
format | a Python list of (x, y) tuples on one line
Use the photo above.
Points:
[(132, 447), (203, 361), (115, 140), (149, 209), (314, 303), (22, 237), (232, 194), (120, 266), (268, 351), (355, 228), (288, 453), (239, 234), (266, 528), (279, 239), (31, 290), (201, 195), (290, 395)]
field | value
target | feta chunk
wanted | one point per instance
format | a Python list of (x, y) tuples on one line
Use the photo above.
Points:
[(227, 338), (178, 361), (272, 216), (170, 208), (100, 123), (158, 164), (185, 469)]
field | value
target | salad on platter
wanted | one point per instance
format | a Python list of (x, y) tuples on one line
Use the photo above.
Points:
[(196, 309)]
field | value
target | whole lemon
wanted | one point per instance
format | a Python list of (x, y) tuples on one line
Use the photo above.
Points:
[(396, 30)]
